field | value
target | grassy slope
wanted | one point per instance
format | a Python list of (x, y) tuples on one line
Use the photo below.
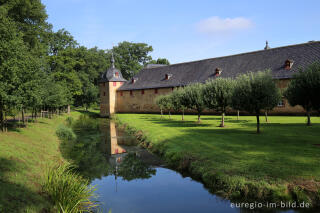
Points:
[(24, 156), (283, 153)]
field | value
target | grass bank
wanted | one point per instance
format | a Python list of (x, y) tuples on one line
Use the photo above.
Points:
[(280, 164), (25, 154)]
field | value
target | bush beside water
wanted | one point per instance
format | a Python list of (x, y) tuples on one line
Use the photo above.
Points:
[(65, 133), (68, 191)]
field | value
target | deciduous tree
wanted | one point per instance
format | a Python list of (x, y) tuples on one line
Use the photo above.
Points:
[(256, 91), (177, 97), (217, 95), (304, 89), (193, 98)]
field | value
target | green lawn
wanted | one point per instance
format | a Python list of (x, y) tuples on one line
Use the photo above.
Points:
[(24, 155), (284, 152)]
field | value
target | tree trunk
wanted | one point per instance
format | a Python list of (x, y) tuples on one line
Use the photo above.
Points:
[(69, 110), (36, 115), (309, 119), (5, 122), (183, 114), (199, 118), (169, 115), (222, 120), (266, 114), (238, 113), (1, 120), (23, 119), (258, 123), (161, 112)]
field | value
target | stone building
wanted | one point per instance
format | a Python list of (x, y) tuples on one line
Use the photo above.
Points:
[(137, 95)]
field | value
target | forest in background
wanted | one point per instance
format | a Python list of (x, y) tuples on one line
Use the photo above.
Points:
[(46, 70)]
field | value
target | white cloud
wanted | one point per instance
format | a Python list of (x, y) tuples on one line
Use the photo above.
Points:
[(215, 25)]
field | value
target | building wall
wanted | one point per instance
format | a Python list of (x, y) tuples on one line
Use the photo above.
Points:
[(138, 102), (104, 99), (145, 103), (108, 97)]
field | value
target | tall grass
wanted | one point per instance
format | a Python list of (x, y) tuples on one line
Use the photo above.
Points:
[(68, 191)]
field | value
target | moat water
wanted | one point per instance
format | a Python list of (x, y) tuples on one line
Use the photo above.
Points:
[(129, 179)]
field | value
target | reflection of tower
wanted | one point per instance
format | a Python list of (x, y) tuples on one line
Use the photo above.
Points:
[(115, 177), (115, 147), (115, 151), (109, 82)]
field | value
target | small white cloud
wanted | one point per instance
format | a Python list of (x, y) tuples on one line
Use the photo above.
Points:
[(215, 24)]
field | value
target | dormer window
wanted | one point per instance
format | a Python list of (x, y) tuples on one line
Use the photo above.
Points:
[(133, 80), (116, 74), (218, 71), (288, 64), (168, 76)]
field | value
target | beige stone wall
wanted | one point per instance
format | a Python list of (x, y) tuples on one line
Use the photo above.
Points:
[(145, 103), (108, 97), (104, 99), (138, 102)]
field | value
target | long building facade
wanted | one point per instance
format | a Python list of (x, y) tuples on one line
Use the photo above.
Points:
[(138, 94)]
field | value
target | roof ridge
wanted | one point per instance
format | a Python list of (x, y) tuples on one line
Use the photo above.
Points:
[(238, 54)]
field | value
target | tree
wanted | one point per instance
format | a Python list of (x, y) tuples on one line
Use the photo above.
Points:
[(60, 40), (304, 89), (217, 94), (160, 102), (160, 61), (256, 91), (193, 98), (131, 57), (164, 103), (30, 18), (12, 63), (177, 97)]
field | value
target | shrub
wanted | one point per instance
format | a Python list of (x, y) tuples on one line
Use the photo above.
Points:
[(69, 121), (68, 191), (65, 133)]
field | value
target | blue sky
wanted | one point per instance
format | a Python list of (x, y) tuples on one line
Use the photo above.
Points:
[(183, 30)]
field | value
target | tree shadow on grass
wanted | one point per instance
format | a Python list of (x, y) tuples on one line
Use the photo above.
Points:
[(271, 155), (89, 113), (174, 123), (16, 197)]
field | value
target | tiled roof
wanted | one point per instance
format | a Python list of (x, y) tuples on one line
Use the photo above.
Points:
[(200, 71)]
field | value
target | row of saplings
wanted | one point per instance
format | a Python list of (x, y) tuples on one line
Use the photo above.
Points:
[(253, 92)]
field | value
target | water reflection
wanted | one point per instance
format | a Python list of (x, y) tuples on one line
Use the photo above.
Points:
[(130, 179), (100, 149), (87, 152)]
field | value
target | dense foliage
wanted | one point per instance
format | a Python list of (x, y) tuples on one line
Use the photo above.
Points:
[(217, 95), (304, 89), (44, 70), (255, 92), (252, 92)]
